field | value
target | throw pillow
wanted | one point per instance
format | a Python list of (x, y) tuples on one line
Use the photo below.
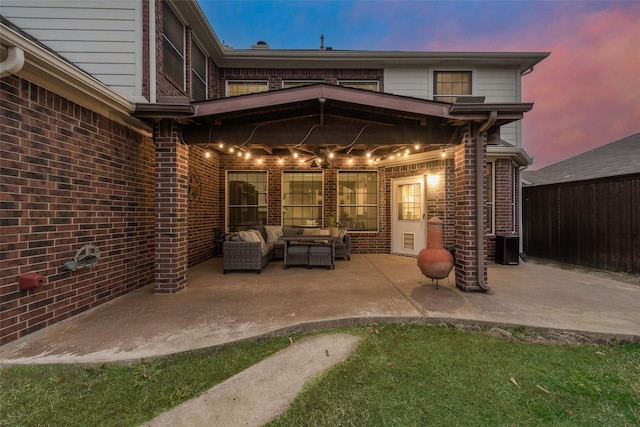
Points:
[(248, 236), (342, 232), (260, 238), (274, 232)]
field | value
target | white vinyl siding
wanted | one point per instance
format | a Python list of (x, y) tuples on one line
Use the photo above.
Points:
[(102, 38), (501, 86), (498, 86), (407, 82)]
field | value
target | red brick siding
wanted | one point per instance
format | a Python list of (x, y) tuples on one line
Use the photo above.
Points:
[(70, 177), (504, 191), (466, 215), (204, 217), (172, 210)]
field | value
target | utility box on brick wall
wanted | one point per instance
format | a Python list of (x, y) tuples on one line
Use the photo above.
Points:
[(30, 281)]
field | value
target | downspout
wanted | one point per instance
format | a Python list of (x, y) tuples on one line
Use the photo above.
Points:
[(480, 201), (14, 62), (152, 52)]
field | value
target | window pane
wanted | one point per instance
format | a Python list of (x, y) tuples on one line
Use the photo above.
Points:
[(172, 28), (173, 46), (198, 73), (244, 88), (365, 85), (410, 202), (490, 197), (448, 83), (358, 200), (247, 199), (302, 198)]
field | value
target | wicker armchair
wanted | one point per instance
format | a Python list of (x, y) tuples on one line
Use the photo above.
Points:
[(343, 248), (239, 255)]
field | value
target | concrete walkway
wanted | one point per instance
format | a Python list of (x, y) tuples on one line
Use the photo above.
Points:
[(218, 308)]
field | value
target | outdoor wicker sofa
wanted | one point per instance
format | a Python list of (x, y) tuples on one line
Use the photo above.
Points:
[(253, 249)]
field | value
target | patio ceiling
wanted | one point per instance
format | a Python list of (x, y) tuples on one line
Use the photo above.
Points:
[(318, 119)]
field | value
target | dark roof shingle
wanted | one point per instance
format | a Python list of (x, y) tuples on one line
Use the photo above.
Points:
[(621, 157)]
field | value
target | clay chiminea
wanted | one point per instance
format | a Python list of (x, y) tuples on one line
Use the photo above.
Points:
[(435, 261)]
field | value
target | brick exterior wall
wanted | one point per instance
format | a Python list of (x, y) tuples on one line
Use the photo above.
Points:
[(466, 216), (205, 223), (70, 177), (172, 208), (506, 190)]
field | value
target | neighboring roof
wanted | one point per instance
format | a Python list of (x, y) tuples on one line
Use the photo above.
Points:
[(621, 157)]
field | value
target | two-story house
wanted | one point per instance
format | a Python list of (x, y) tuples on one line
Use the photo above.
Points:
[(129, 126)]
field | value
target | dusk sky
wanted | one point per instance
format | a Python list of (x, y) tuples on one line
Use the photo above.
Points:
[(586, 94)]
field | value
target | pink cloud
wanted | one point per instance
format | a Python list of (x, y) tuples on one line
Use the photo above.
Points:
[(587, 93)]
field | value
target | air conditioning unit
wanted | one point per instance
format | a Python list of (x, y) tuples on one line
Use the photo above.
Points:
[(507, 250)]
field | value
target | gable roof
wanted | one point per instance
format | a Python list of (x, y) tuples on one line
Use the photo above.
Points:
[(621, 157)]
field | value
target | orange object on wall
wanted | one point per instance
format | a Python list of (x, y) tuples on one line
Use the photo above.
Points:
[(30, 281)]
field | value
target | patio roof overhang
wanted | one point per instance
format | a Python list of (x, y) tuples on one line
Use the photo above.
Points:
[(324, 118)]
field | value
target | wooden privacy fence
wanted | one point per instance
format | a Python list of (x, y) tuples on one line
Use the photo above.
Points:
[(594, 223)]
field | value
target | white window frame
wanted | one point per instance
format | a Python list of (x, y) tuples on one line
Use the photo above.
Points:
[(265, 82), (375, 206)]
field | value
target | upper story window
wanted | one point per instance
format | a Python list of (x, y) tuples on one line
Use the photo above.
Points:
[(235, 88), (173, 45), (358, 200), (198, 73), (295, 83), (448, 85), (371, 85)]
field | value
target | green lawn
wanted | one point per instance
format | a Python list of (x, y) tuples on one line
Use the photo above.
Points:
[(400, 375)]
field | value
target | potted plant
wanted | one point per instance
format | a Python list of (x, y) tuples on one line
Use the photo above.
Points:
[(333, 226)]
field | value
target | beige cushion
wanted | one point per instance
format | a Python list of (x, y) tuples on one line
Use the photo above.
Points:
[(274, 232), (342, 232), (260, 238), (316, 232), (248, 236)]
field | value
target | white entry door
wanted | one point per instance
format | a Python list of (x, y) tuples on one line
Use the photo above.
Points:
[(408, 232)]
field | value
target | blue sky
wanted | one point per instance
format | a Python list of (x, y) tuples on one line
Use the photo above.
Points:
[(587, 93)]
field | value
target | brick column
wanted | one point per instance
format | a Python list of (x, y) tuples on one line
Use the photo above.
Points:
[(466, 217), (172, 243)]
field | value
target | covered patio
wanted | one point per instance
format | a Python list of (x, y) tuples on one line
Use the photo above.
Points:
[(335, 133), (217, 309)]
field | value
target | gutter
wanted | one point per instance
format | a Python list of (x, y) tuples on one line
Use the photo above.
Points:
[(14, 62), (493, 115)]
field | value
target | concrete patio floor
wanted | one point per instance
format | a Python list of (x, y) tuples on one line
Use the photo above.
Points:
[(218, 308)]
